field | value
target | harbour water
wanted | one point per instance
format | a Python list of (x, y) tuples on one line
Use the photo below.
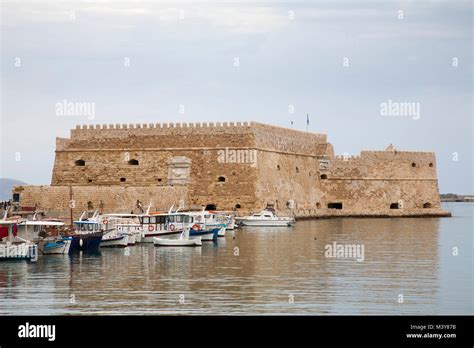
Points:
[(417, 266)]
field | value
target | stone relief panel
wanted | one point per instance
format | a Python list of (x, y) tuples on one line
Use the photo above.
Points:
[(323, 165), (179, 170)]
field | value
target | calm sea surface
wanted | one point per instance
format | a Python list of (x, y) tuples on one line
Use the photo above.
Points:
[(264, 271)]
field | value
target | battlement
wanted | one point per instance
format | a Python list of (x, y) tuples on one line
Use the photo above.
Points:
[(200, 134), (165, 125)]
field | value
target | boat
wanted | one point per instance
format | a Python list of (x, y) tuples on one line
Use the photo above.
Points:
[(204, 234), (55, 245), (13, 247), (265, 218), (205, 223), (162, 225), (128, 224), (87, 236), (183, 240), (114, 239), (49, 242)]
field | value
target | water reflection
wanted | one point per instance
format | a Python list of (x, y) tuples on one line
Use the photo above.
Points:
[(261, 271)]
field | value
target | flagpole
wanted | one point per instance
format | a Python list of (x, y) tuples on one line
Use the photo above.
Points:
[(307, 122)]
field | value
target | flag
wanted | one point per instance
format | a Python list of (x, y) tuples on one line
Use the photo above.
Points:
[(307, 119)]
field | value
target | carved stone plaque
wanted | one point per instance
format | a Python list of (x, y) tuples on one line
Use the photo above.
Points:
[(179, 170), (323, 165)]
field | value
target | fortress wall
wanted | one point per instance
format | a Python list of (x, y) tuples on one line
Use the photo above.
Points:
[(375, 196), (287, 140), (85, 132), (296, 179), (141, 139), (238, 187), (108, 167), (384, 165), (115, 198)]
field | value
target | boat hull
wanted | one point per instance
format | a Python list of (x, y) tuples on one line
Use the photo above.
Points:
[(177, 242), (86, 242), (205, 235), (120, 241), (266, 223), (60, 246), (148, 237)]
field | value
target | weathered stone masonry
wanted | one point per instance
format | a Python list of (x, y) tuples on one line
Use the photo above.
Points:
[(242, 166)]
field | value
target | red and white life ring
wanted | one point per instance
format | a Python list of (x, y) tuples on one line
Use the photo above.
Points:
[(196, 227), (105, 222), (172, 227), (151, 228)]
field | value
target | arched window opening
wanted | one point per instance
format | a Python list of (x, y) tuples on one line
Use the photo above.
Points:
[(133, 162), (123, 179), (238, 206), (80, 163), (413, 164), (297, 170), (323, 177), (221, 179), (278, 167), (427, 205), (431, 164)]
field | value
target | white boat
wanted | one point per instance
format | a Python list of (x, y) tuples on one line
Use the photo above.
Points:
[(113, 239), (183, 240), (13, 247), (163, 225), (265, 218), (125, 224), (45, 234)]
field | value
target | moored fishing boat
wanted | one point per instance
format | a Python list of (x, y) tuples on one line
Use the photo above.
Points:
[(87, 237), (14, 248), (45, 234), (55, 245), (210, 234), (265, 218), (128, 224), (113, 239), (163, 225), (183, 240)]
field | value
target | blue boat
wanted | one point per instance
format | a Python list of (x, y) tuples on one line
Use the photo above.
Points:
[(207, 234), (86, 242), (87, 237)]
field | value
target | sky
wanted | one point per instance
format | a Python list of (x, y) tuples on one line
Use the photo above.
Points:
[(268, 61)]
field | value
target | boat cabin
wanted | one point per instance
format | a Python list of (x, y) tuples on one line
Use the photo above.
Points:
[(165, 222), (88, 226)]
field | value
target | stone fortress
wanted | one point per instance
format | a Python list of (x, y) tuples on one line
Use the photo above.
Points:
[(238, 166)]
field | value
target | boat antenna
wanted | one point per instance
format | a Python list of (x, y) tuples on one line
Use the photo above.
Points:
[(34, 216), (82, 215), (171, 209)]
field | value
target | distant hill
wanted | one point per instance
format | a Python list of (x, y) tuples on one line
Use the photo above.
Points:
[(6, 186)]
